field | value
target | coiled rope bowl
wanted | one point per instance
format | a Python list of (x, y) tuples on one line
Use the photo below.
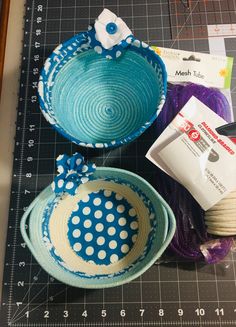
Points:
[(97, 102), (109, 233)]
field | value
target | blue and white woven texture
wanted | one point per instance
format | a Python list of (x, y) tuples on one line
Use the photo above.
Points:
[(100, 97)]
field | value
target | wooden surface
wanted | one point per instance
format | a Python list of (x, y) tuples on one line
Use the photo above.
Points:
[(5, 6), (8, 105)]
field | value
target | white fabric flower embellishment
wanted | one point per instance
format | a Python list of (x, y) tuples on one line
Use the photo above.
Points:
[(110, 29)]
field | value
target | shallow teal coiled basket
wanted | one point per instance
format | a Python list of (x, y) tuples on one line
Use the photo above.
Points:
[(97, 102), (61, 241)]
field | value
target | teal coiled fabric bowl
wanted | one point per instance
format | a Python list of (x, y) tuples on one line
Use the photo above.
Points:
[(97, 102), (154, 229)]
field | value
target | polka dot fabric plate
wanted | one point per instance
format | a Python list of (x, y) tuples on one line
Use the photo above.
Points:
[(110, 232), (106, 230)]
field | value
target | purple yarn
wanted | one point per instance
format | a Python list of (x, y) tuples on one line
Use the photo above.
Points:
[(191, 240), (178, 95)]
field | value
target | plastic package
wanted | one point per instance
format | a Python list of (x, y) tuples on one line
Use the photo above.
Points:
[(209, 158), (191, 240)]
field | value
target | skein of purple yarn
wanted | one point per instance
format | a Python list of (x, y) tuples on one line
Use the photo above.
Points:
[(178, 95), (191, 240)]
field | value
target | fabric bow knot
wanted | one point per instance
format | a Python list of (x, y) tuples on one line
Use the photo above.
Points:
[(72, 171)]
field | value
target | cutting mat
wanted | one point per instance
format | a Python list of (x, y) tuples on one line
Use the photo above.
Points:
[(168, 294), (197, 15)]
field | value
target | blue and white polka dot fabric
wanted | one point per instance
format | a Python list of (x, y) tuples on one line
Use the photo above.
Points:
[(104, 227), (72, 171)]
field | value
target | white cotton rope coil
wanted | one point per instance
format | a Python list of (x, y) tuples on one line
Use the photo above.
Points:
[(221, 218)]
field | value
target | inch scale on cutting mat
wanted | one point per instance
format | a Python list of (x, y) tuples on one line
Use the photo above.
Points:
[(25, 165), (30, 296)]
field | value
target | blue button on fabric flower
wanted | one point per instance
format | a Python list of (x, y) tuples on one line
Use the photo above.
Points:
[(110, 35), (111, 28)]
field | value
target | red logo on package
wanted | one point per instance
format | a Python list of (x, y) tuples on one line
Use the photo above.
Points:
[(183, 124), (194, 135)]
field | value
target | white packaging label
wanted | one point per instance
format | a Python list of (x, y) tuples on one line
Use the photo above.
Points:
[(201, 68), (193, 153)]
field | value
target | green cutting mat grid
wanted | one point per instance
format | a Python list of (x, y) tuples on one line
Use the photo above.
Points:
[(168, 294)]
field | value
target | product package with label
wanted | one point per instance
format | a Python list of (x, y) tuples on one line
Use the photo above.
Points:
[(194, 239), (195, 67), (206, 77), (192, 152)]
